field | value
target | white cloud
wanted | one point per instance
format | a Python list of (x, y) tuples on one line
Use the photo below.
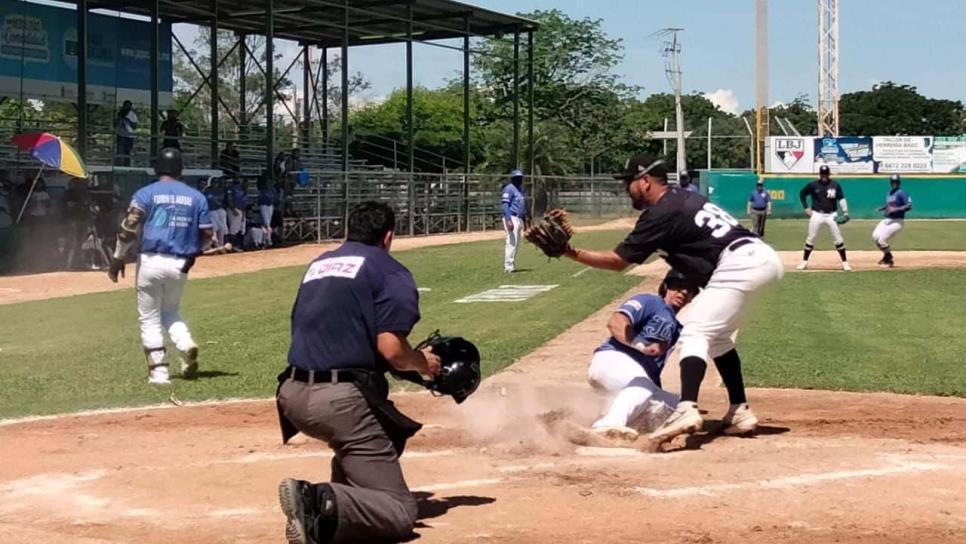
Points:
[(725, 99)]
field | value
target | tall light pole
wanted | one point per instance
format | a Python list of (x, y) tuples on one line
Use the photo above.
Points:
[(828, 67), (672, 69), (762, 130)]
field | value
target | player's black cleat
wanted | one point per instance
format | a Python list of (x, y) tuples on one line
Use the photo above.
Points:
[(310, 511)]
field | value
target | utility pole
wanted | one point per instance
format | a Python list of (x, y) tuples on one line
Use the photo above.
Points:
[(762, 128), (828, 68), (672, 69)]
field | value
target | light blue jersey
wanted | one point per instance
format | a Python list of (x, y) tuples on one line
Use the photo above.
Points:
[(897, 198), (652, 321), (513, 202), (173, 215)]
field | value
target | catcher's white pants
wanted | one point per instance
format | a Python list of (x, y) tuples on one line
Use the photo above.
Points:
[(219, 222), (512, 243), (266, 214), (715, 314), (634, 394), (236, 221), (160, 284), (885, 230), (815, 223)]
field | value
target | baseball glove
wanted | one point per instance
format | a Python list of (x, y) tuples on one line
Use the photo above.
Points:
[(552, 234), (843, 219)]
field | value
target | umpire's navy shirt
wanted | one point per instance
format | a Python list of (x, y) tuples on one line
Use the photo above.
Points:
[(347, 297)]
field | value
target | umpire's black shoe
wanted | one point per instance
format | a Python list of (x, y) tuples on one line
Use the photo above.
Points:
[(310, 511)]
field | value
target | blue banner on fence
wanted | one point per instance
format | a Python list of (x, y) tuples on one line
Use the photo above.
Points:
[(38, 54), (845, 154)]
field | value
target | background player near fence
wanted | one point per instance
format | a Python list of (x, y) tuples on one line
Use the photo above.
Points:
[(896, 206), (759, 207), (712, 249), (514, 215), (628, 364), (827, 197), (174, 225), (215, 194)]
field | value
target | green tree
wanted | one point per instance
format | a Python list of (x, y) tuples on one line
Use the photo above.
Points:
[(893, 108), (799, 112)]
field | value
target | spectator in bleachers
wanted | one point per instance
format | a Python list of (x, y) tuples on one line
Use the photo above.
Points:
[(229, 161), (279, 166), (237, 206), (172, 130), (266, 206), (257, 235), (124, 125), (215, 194), (294, 163), (39, 206)]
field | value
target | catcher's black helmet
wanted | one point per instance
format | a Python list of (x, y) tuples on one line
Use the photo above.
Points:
[(460, 362), (169, 163)]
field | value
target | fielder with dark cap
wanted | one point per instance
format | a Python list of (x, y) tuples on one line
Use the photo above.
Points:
[(173, 225), (712, 250), (896, 206), (827, 197)]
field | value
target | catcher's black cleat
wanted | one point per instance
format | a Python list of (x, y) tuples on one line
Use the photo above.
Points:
[(310, 511)]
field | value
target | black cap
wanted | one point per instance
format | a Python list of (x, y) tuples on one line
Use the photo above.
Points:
[(824, 169), (638, 165), (894, 178)]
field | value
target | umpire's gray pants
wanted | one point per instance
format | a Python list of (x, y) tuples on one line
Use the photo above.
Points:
[(373, 500), (758, 221)]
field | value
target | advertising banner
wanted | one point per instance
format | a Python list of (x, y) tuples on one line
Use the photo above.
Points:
[(844, 154), (898, 154), (786, 155), (949, 154), (38, 55)]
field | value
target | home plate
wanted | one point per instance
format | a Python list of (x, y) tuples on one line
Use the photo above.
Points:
[(589, 451)]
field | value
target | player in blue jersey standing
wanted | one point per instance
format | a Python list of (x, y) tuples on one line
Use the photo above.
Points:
[(514, 215), (173, 224), (896, 206), (628, 365)]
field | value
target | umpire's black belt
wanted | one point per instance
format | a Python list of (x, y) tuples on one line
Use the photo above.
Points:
[(740, 243), (345, 375)]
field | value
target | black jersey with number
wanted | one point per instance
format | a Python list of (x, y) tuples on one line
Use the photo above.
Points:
[(686, 230), (825, 196)]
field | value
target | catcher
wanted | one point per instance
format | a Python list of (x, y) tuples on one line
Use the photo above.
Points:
[(354, 310), (827, 198)]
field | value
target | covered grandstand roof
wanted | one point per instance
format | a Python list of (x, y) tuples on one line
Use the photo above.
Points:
[(321, 22)]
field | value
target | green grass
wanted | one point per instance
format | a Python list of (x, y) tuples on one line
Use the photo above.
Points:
[(84, 352), (898, 331), (789, 234)]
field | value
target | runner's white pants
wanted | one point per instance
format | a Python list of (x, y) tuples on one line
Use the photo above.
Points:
[(236, 221), (160, 284), (815, 223), (634, 394), (512, 243), (885, 230), (717, 311), (219, 222)]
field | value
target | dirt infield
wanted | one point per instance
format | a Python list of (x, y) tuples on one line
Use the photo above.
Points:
[(15, 289), (828, 467)]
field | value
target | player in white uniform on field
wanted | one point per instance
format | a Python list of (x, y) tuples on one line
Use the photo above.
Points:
[(896, 206), (827, 197), (173, 223), (629, 363)]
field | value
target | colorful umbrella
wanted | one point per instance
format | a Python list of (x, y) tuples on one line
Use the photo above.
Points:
[(53, 152)]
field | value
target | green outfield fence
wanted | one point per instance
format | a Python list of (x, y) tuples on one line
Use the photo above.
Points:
[(933, 196)]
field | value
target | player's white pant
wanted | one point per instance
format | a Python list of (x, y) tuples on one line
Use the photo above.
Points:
[(160, 284), (512, 242), (815, 223), (884, 231), (236, 221), (266, 213), (219, 223), (256, 237), (635, 395), (716, 313)]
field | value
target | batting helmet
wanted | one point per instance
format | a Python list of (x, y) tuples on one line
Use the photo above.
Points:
[(675, 280), (460, 361), (169, 163)]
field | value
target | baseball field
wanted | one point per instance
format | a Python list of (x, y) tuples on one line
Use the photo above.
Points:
[(858, 378)]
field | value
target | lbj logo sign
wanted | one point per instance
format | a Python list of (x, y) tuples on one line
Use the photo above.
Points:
[(789, 150)]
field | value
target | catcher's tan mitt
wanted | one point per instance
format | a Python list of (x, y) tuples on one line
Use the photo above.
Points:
[(552, 234)]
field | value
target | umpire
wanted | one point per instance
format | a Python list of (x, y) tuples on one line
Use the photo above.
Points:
[(759, 207), (354, 309)]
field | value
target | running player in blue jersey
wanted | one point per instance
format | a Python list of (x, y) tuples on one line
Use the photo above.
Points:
[(896, 206)]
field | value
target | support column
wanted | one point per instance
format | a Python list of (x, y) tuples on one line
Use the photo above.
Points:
[(345, 87), (243, 87), (530, 85), (82, 78), (325, 97), (410, 129), (213, 83), (466, 95), (269, 85), (155, 79), (306, 103), (515, 155)]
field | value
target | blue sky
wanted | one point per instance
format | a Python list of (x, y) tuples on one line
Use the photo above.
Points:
[(921, 44)]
